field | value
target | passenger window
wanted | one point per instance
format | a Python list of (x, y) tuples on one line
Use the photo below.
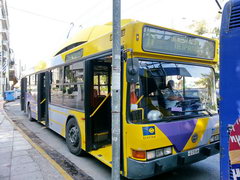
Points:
[(101, 84), (56, 75), (74, 73)]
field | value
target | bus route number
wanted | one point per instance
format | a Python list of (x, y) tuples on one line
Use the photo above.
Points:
[(193, 152)]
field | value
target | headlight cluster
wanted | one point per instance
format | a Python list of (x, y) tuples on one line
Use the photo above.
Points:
[(152, 154), (159, 153), (214, 138)]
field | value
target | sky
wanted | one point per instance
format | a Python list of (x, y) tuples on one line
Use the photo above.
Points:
[(39, 27)]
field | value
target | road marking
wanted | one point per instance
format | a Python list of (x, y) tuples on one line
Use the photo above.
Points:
[(41, 151)]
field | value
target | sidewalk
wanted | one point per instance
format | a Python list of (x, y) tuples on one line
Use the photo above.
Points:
[(19, 160)]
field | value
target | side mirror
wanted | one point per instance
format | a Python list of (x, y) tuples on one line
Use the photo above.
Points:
[(132, 70)]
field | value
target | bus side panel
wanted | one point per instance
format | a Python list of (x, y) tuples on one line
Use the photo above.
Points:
[(57, 119)]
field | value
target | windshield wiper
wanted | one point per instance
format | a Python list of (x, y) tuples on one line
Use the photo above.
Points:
[(170, 118), (206, 110)]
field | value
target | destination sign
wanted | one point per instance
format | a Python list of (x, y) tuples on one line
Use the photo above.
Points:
[(175, 43)]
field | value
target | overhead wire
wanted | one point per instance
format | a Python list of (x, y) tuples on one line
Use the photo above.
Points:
[(39, 15), (93, 15)]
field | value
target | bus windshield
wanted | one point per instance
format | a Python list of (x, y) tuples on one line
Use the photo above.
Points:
[(172, 91)]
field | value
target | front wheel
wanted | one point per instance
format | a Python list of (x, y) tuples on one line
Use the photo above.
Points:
[(73, 138)]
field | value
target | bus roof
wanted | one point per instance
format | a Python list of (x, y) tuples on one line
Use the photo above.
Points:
[(89, 34)]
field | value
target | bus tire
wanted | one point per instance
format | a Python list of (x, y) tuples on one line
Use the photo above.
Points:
[(29, 114), (73, 137)]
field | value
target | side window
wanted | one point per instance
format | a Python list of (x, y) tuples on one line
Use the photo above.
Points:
[(73, 73), (28, 84), (73, 86), (29, 80), (56, 75), (56, 86), (32, 79), (101, 84)]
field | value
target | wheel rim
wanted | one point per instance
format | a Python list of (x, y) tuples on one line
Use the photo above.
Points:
[(73, 135)]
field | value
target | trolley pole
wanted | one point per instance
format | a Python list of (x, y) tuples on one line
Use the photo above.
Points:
[(116, 89)]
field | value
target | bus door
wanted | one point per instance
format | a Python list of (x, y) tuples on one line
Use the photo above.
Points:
[(98, 104), (23, 93), (43, 96)]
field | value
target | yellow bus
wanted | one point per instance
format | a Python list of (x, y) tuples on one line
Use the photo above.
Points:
[(168, 102)]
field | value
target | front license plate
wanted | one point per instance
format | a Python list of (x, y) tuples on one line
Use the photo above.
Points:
[(193, 152)]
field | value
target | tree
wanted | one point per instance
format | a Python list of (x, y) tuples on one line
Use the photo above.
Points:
[(199, 27)]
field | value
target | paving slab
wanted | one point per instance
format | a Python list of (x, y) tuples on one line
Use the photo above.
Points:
[(28, 176), (21, 160), (19, 153), (5, 159), (4, 171), (24, 168)]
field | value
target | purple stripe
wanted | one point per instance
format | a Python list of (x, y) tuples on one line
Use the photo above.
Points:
[(178, 132)]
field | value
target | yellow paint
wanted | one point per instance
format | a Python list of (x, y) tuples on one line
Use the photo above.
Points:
[(92, 33), (104, 154), (103, 133), (200, 129), (56, 122), (136, 140), (124, 120), (43, 101), (140, 99), (100, 105), (41, 65)]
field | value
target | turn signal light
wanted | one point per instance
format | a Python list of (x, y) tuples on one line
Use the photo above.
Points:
[(139, 154)]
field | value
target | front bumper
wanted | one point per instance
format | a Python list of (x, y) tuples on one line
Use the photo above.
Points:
[(141, 170)]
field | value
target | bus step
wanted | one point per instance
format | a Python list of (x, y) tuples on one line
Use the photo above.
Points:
[(99, 137)]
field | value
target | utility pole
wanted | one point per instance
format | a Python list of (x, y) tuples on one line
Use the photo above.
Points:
[(116, 89)]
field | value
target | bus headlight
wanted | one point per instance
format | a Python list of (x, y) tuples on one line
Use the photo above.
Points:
[(159, 153), (151, 155), (167, 151), (214, 138)]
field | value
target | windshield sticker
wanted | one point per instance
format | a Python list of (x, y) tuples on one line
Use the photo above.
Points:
[(150, 130), (176, 109)]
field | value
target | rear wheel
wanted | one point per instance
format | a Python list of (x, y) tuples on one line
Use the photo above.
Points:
[(73, 138), (29, 113)]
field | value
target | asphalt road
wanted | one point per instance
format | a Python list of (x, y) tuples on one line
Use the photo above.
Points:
[(208, 169)]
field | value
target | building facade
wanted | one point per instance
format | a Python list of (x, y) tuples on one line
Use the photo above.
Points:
[(6, 54)]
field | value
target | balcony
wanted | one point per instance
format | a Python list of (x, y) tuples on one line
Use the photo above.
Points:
[(5, 45), (4, 34), (5, 24)]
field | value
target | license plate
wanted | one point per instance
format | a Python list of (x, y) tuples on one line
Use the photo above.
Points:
[(193, 152)]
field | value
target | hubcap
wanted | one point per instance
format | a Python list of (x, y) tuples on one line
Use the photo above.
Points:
[(73, 135)]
